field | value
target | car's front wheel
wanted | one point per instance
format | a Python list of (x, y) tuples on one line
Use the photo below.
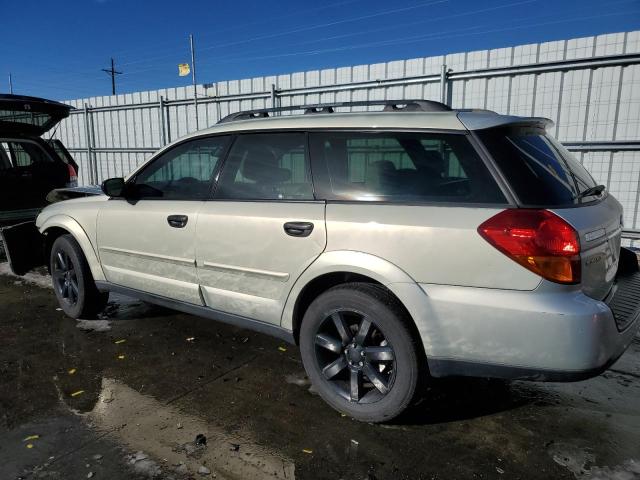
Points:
[(359, 352), (73, 283)]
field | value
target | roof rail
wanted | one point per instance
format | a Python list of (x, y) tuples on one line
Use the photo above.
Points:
[(322, 108)]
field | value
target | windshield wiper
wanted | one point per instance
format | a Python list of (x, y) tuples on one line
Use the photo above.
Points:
[(591, 191)]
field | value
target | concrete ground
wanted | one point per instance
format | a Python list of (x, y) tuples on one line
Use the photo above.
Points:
[(125, 397)]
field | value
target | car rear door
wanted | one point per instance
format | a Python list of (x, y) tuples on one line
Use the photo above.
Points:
[(146, 241), (263, 227)]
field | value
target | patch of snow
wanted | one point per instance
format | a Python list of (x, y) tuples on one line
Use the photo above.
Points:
[(300, 380), (578, 461), (34, 278), (94, 325)]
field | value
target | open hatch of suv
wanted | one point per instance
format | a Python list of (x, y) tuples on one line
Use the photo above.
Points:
[(30, 167), (391, 246)]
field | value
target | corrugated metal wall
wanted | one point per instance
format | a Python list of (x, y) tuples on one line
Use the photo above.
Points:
[(589, 86)]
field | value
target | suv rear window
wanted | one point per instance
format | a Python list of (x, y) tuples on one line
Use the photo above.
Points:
[(400, 167), (540, 170)]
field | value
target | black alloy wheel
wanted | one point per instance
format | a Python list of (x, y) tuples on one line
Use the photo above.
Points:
[(73, 283), (65, 277), (359, 350), (355, 356)]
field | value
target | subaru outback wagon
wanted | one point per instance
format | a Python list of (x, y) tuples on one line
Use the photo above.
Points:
[(392, 246)]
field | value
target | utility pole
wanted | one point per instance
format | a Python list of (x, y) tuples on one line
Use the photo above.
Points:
[(193, 77), (10, 84), (112, 71)]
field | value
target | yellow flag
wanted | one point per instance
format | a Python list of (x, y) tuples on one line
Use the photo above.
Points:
[(184, 69)]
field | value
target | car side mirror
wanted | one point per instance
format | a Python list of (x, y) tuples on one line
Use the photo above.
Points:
[(113, 187)]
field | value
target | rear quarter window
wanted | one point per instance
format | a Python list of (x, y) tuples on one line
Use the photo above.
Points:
[(538, 168), (400, 167)]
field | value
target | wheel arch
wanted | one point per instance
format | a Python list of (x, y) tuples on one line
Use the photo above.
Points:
[(338, 267), (59, 225)]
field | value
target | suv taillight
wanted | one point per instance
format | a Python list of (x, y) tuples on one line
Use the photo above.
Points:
[(538, 240), (73, 176)]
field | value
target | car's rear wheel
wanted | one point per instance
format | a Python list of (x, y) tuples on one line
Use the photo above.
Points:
[(73, 283), (359, 353)]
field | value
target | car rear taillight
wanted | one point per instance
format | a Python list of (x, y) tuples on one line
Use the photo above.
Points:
[(73, 176), (538, 240)]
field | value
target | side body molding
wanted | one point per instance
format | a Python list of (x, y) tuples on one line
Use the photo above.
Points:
[(72, 226), (393, 277)]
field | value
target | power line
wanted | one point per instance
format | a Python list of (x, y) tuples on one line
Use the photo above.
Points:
[(418, 38), (153, 66), (112, 71), (236, 28), (307, 28), (396, 41), (65, 73), (448, 33)]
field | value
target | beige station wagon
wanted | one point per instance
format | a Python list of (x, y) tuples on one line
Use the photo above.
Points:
[(392, 246)]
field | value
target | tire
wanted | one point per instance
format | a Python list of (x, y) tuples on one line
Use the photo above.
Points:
[(72, 281), (389, 354)]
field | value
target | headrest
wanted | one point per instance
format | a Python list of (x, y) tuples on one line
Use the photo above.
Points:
[(380, 174), (261, 166)]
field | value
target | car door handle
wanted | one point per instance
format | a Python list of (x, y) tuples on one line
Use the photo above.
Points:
[(177, 221), (298, 229)]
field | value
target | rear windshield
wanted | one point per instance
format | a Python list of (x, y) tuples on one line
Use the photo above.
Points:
[(538, 167), (12, 117)]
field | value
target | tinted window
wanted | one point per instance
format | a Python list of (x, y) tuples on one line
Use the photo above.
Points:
[(267, 166), (539, 169), (23, 154), (401, 167), (184, 172)]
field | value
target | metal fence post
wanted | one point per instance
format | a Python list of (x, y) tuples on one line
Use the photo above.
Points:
[(92, 137), (163, 135), (92, 181), (274, 96), (168, 123), (443, 84)]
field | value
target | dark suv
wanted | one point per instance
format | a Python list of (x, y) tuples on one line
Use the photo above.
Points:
[(30, 166)]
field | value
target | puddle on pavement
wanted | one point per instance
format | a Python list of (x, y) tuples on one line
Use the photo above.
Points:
[(162, 434)]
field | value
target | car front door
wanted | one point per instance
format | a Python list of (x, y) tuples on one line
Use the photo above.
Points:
[(262, 229), (146, 241)]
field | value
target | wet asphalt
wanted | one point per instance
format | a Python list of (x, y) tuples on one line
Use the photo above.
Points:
[(125, 397)]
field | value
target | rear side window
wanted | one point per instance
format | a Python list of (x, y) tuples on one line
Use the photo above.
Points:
[(539, 169), (267, 166), (400, 167), (22, 154)]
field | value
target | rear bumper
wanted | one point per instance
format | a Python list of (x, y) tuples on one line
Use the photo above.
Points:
[(553, 333)]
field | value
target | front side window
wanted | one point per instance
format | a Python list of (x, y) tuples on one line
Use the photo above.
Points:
[(184, 172), (401, 167), (267, 166)]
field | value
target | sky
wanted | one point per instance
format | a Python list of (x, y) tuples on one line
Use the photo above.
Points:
[(57, 49)]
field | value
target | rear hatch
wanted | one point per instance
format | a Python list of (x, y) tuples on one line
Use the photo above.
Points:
[(543, 174), (22, 115)]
